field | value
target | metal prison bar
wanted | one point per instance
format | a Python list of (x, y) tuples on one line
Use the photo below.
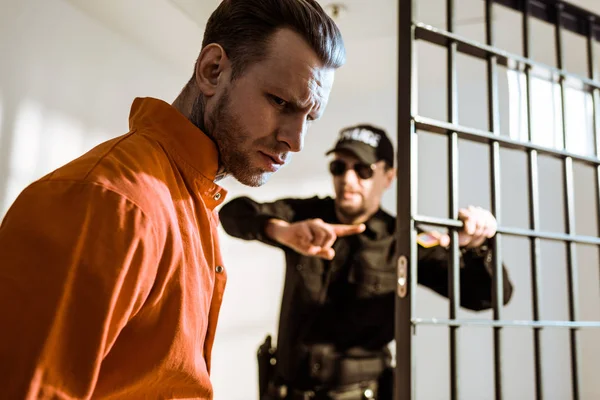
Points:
[(563, 16)]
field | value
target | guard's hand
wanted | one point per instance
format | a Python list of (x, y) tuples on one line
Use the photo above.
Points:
[(311, 237), (479, 225)]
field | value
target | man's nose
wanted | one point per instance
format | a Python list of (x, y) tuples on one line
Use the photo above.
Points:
[(350, 175), (292, 133)]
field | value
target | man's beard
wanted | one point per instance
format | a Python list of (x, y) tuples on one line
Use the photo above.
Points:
[(351, 213), (232, 141)]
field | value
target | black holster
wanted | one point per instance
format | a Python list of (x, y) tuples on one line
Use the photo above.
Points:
[(267, 359), (329, 367)]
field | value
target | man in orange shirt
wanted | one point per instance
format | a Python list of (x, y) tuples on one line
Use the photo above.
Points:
[(111, 277)]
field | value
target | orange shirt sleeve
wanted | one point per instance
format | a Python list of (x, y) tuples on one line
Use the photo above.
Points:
[(77, 262)]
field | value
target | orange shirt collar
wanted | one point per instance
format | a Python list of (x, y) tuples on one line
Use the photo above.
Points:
[(174, 129), (192, 150)]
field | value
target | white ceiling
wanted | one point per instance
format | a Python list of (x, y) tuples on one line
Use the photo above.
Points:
[(355, 17), (172, 29), (157, 26), (197, 10)]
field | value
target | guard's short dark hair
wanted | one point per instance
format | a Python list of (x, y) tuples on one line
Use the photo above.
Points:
[(243, 28)]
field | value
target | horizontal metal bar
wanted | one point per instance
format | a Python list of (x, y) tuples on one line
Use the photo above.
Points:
[(563, 237), (574, 18), (485, 323), (441, 37), (478, 135), (438, 221)]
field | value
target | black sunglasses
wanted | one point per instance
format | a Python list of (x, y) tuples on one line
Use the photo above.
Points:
[(364, 171)]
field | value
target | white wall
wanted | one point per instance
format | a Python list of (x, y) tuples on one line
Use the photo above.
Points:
[(66, 83)]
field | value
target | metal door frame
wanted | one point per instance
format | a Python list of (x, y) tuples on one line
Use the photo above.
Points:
[(564, 17)]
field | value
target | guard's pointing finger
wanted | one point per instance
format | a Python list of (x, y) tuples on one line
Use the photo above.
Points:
[(347, 230)]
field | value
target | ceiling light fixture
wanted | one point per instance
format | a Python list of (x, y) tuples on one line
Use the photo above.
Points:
[(336, 10)]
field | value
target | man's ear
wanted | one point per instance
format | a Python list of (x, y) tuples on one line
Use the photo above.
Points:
[(212, 68), (390, 174)]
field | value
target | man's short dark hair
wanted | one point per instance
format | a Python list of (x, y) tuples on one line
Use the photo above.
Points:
[(243, 28)]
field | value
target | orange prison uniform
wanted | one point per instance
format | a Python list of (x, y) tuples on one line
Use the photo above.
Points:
[(111, 277)]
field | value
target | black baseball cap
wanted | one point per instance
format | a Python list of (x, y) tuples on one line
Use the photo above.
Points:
[(367, 142)]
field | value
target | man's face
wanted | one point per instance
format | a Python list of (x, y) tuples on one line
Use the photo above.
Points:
[(357, 197), (261, 117)]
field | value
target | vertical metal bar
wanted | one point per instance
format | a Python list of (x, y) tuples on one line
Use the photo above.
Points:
[(496, 242), (406, 203), (534, 210), (569, 213), (593, 74), (453, 265), (573, 277)]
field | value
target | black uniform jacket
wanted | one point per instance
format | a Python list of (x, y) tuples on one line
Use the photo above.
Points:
[(348, 301)]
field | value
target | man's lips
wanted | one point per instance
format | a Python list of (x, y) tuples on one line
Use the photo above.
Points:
[(277, 159), (349, 194), (271, 163)]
